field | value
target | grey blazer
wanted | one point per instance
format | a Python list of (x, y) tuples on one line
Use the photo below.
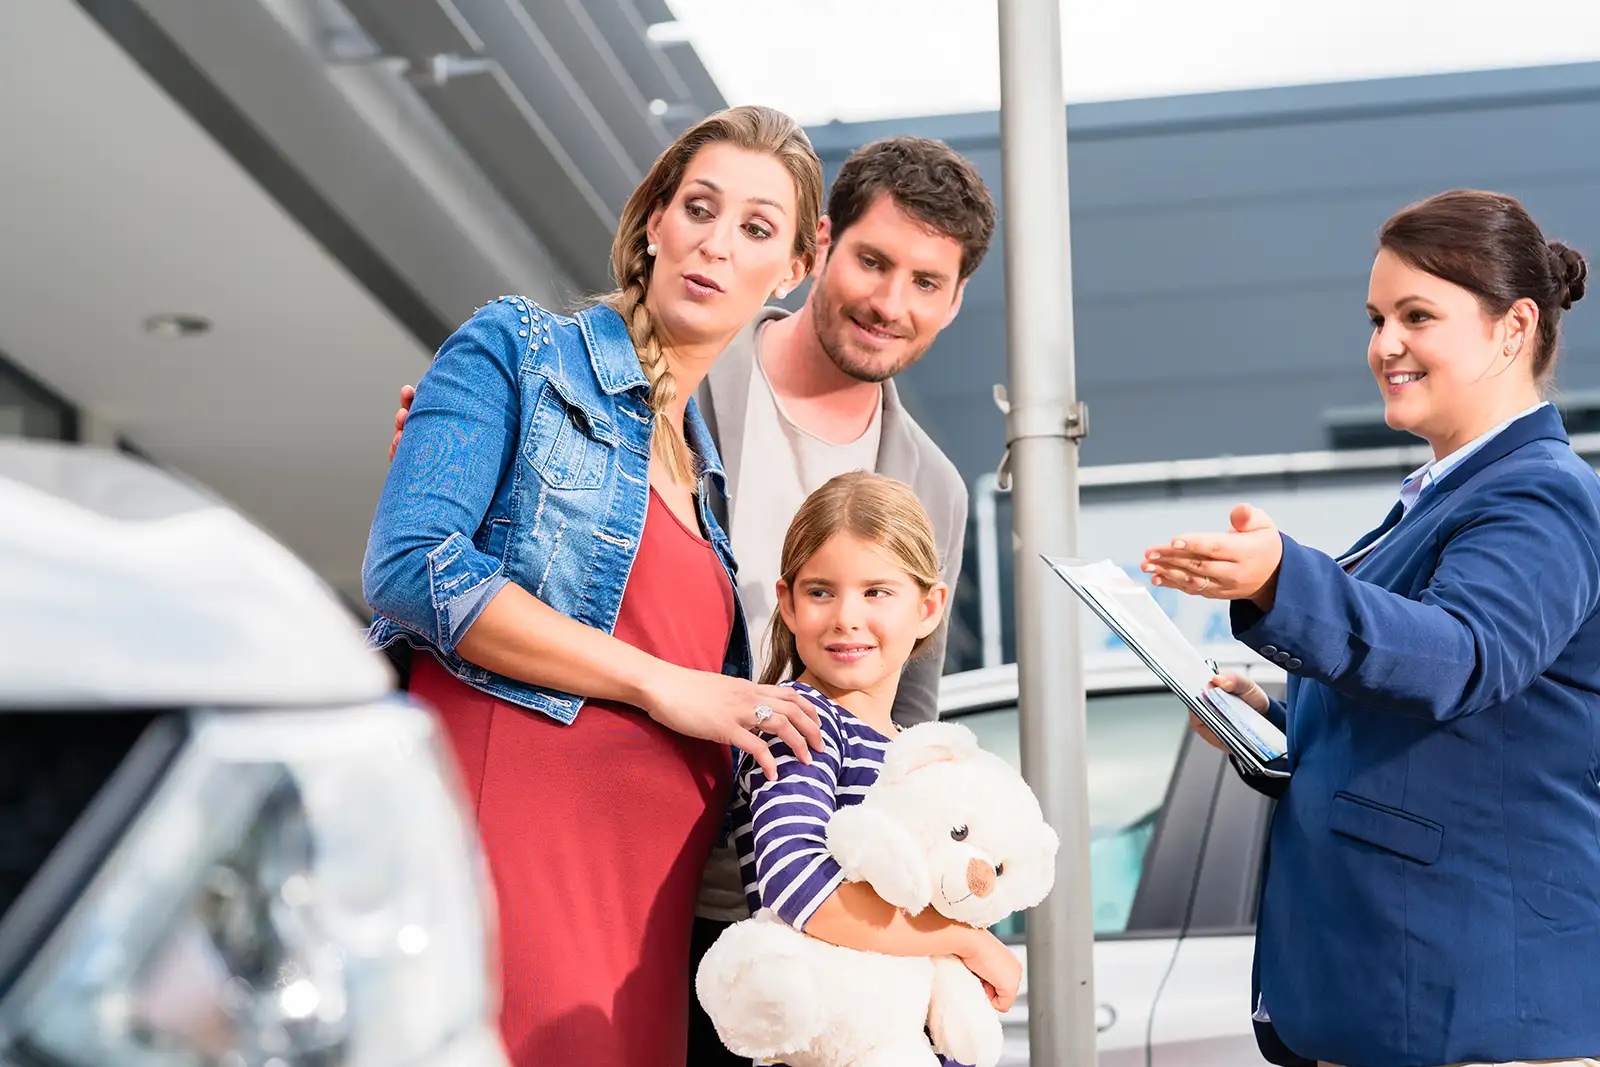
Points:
[(905, 453)]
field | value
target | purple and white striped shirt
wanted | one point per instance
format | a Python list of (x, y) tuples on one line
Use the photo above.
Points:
[(780, 828)]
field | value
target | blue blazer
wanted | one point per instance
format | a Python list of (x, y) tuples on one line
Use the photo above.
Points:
[(1432, 884)]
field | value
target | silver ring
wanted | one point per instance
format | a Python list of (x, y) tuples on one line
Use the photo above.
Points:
[(763, 713)]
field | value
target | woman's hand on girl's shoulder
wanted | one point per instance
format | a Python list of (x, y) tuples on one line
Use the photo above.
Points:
[(715, 707)]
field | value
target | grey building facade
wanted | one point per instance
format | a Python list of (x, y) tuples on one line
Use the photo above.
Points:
[(1221, 245)]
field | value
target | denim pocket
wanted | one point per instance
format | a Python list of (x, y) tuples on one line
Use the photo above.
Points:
[(1388, 828), (567, 445)]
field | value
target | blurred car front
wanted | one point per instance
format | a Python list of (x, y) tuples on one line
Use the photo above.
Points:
[(224, 839)]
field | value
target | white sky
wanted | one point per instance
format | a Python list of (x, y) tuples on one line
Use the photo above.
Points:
[(864, 59)]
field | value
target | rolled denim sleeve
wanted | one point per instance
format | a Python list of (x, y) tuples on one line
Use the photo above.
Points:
[(422, 568)]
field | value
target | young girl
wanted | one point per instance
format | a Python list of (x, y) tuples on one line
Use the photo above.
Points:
[(858, 595)]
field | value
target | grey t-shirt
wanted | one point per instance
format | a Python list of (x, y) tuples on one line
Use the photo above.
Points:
[(780, 464)]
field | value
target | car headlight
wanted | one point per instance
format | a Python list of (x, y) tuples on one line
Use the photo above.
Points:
[(304, 889)]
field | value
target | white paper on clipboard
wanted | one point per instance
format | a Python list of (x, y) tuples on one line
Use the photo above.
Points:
[(1127, 607)]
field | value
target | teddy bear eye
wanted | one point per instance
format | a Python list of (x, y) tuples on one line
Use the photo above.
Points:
[(958, 834), (999, 869)]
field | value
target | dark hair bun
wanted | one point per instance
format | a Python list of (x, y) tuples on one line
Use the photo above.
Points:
[(1571, 273)]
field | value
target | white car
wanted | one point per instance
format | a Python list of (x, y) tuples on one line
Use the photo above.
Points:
[(1175, 859), (224, 840)]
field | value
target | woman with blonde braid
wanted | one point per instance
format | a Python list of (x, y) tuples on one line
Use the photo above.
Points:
[(546, 534)]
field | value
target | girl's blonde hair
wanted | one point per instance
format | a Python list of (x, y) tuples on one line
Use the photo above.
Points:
[(756, 129), (879, 511)]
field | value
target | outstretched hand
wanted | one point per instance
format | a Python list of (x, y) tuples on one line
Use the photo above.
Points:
[(1240, 564)]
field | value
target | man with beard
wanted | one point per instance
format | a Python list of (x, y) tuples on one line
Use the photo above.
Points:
[(796, 399)]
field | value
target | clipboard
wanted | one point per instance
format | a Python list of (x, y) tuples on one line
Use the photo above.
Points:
[(1128, 609)]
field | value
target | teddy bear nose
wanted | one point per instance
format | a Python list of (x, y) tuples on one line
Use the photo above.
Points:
[(980, 877)]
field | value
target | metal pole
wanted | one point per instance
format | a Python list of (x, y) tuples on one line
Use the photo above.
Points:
[(1042, 426), (987, 523)]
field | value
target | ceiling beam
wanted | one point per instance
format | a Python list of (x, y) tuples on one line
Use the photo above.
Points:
[(573, 31)]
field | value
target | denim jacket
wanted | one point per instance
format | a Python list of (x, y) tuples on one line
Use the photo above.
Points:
[(525, 459)]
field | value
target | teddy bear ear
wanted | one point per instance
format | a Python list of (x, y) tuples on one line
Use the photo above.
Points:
[(926, 744)]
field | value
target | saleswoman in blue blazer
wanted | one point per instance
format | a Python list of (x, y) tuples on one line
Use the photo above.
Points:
[(1432, 887)]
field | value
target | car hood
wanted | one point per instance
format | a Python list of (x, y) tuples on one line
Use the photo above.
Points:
[(125, 585)]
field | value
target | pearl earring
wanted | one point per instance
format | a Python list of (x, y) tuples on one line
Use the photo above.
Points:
[(650, 249), (780, 292)]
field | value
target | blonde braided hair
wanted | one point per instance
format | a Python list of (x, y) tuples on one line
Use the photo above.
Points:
[(756, 129)]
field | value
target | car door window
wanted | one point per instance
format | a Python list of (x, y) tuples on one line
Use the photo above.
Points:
[(1134, 743)]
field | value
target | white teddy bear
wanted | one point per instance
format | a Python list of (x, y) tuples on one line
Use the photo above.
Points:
[(946, 824)]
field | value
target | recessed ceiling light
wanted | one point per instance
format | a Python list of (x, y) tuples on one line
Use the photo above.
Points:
[(175, 326)]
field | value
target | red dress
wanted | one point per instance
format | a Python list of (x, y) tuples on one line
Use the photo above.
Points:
[(597, 833)]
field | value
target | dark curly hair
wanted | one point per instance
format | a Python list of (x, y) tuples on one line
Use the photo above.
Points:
[(929, 181)]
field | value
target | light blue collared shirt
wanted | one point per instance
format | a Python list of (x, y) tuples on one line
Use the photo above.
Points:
[(1434, 470)]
